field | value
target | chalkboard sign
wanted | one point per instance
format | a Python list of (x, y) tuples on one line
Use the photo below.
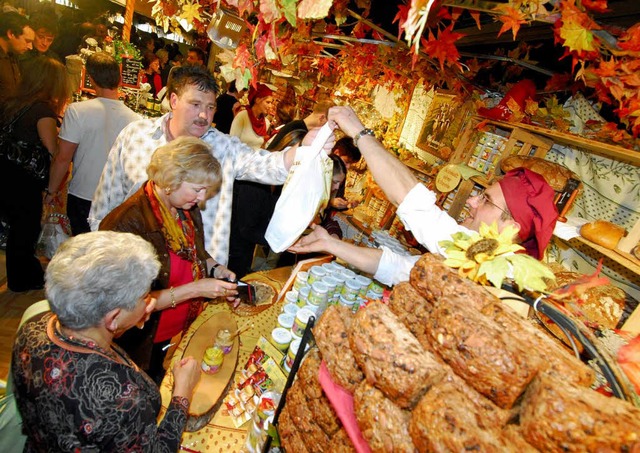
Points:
[(130, 73), (86, 85)]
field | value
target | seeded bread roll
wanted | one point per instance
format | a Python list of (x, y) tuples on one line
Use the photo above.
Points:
[(603, 233)]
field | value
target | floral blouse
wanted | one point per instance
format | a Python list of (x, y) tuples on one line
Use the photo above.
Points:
[(75, 399)]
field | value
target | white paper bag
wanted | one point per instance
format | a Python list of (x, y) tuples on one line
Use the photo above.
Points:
[(305, 193)]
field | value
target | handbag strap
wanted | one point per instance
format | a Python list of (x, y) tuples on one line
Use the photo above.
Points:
[(8, 127)]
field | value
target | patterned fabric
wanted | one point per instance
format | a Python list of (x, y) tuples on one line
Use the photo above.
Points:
[(126, 167), (79, 401)]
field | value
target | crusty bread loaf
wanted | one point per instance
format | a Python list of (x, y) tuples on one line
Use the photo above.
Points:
[(445, 419), (603, 233), (602, 305), (555, 174), (391, 357), (558, 417), (478, 349), (331, 336), (384, 425)]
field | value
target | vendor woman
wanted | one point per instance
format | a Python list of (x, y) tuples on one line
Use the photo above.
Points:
[(522, 198), (182, 175), (251, 125)]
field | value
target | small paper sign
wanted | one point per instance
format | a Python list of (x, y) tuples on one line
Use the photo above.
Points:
[(448, 178)]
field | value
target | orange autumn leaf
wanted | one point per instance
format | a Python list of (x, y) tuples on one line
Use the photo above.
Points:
[(511, 19), (443, 48), (476, 18), (607, 68)]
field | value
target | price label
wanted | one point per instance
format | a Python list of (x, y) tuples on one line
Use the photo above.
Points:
[(448, 178)]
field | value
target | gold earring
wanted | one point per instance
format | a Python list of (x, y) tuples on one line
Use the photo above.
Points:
[(167, 190)]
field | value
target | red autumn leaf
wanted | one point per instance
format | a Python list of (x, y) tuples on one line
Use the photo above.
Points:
[(242, 59), (443, 48), (629, 361), (558, 82), (511, 19), (580, 285), (597, 6), (631, 39), (401, 18), (442, 14), (456, 13)]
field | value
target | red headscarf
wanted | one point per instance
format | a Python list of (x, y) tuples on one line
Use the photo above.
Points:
[(259, 125), (530, 201)]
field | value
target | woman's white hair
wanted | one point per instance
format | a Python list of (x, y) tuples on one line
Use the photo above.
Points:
[(94, 273)]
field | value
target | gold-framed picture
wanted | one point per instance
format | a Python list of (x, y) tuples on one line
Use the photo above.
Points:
[(442, 123)]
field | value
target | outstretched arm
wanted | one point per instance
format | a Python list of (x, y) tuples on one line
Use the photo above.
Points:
[(393, 177), (364, 258)]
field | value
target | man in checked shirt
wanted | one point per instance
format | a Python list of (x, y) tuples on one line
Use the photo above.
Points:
[(192, 95)]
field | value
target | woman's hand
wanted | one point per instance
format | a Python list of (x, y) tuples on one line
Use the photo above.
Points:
[(223, 272), (186, 374), (213, 288), (339, 203)]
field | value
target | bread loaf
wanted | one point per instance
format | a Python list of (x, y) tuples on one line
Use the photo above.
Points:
[(391, 357), (331, 336), (555, 174), (384, 425), (603, 233), (558, 417)]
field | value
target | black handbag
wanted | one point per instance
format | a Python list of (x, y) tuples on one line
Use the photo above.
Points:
[(32, 157)]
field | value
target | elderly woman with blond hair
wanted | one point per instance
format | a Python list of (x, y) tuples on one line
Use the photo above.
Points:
[(75, 389), (164, 211)]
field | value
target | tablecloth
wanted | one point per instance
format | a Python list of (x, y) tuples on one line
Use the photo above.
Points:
[(220, 435)]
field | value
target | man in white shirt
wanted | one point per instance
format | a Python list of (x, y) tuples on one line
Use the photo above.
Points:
[(192, 96), (522, 198), (88, 131)]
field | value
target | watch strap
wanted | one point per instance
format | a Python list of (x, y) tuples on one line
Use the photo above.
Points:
[(358, 136)]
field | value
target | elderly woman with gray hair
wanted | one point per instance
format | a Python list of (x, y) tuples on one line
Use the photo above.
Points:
[(75, 389), (164, 211)]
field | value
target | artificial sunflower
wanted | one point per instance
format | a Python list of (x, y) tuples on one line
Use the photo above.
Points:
[(488, 257)]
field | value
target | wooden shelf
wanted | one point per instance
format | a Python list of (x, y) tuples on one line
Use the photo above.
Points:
[(595, 147), (628, 267)]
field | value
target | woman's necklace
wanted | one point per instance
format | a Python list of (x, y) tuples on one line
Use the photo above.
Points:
[(88, 343)]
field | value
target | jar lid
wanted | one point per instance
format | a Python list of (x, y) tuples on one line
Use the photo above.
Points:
[(318, 271), (281, 335), (319, 287), (286, 320), (304, 314), (352, 283), (363, 281)]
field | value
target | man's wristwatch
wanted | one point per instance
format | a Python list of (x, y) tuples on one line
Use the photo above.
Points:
[(358, 136)]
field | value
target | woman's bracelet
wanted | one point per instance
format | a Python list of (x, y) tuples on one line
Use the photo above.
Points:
[(173, 297), (212, 272)]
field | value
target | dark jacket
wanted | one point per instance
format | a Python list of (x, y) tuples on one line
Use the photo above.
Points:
[(135, 216)]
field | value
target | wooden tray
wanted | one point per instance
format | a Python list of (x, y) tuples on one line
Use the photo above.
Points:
[(211, 387)]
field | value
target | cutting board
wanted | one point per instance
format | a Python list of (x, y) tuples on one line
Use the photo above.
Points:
[(211, 387)]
